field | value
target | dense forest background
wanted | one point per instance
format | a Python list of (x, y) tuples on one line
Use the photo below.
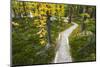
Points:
[(36, 26)]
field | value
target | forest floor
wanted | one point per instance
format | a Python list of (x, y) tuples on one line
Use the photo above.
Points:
[(63, 49)]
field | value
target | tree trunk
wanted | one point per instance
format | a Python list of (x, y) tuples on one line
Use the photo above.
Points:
[(25, 14), (84, 18), (93, 14), (49, 27), (14, 13), (70, 14)]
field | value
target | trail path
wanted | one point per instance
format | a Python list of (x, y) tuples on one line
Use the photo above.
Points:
[(63, 49)]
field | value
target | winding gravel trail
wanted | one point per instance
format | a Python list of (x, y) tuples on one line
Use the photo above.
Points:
[(63, 48)]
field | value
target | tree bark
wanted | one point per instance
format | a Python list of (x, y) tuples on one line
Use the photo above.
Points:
[(25, 14), (70, 14), (84, 18)]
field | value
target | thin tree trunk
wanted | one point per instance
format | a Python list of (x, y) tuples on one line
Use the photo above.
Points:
[(13, 10), (49, 27), (24, 8), (19, 11), (84, 18), (70, 14)]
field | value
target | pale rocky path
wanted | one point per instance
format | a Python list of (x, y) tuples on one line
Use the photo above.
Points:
[(63, 49)]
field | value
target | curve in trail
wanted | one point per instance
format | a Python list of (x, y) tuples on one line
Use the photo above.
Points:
[(63, 48)]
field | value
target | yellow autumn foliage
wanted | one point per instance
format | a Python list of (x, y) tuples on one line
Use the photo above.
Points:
[(39, 10)]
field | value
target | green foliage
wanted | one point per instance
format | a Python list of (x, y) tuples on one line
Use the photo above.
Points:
[(27, 34), (25, 44), (83, 44), (85, 14)]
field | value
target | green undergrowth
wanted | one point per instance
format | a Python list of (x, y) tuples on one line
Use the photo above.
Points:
[(83, 44), (26, 48)]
